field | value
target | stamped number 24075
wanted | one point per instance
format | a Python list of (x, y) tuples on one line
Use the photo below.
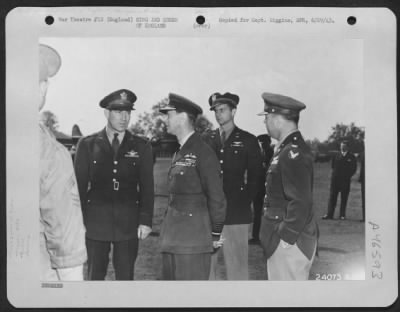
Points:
[(328, 276)]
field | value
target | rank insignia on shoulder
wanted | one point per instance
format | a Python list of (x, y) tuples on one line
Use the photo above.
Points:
[(293, 155), (132, 153)]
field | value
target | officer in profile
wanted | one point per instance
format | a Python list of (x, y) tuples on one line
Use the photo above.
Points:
[(191, 229), (344, 165), (241, 166), (266, 152), (114, 169), (289, 231), (62, 233)]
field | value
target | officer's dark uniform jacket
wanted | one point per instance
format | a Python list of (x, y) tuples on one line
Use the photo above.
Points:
[(196, 205), (241, 165), (116, 195), (344, 168), (288, 212)]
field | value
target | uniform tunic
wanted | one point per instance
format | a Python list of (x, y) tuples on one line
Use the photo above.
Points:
[(288, 212), (196, 205), (241, 167), (116, 194), (62, 230)]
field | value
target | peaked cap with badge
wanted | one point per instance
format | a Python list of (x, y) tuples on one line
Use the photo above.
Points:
[(281, 104), (178, 102), (227, 98), (288, 203), (122, 99), (49, 62)]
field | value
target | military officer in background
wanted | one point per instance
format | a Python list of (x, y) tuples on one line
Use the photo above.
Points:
[(289, 231), (241, 166), (115, 176), (266, 151), (361, 179), (192, 226), (344, 165), (62, 233)]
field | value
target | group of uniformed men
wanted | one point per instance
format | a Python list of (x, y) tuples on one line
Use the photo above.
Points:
[(212, 182)]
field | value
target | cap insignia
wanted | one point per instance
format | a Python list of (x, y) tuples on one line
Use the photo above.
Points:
[(124, 96), (214, 97)]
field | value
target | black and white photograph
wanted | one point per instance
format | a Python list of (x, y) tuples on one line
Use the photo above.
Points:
[(202, 157)]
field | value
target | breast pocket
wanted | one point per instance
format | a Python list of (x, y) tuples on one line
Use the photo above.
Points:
[(184, 179), (98, 169)]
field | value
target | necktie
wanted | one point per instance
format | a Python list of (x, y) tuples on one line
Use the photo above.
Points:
[(115, 144), (223, 137)]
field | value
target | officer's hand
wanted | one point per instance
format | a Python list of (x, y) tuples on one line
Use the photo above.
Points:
[(218, 241), (143, 231)]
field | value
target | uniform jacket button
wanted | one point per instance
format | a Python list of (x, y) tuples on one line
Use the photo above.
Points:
[(115, 162), (115, 170)]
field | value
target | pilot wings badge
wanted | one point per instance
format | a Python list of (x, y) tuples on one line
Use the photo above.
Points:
[(132, 154)]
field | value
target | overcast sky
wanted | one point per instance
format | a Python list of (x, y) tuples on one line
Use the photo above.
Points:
[(326, 75)]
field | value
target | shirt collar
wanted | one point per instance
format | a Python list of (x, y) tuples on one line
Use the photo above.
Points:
[(110, 135), (183, 141), (283, 139), (228, 129)]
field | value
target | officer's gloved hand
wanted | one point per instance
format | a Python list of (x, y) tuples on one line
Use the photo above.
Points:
[(218, 241)]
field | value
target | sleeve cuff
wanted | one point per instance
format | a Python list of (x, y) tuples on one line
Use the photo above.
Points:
[(288, 235)]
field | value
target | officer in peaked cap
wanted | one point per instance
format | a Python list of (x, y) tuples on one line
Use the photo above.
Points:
[(179, 103), (49, 62), (241, 166), (191, 229), (228, 98), (114, 169), (289, 231), (62, 232), (49, 65), (119, 100)]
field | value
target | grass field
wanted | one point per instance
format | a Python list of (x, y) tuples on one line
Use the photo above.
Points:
[(341, 244)]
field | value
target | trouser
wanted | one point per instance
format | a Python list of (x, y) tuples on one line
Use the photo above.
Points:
[(235, 251), (258, 204), (47, 273), (186, 266), (123, 258), (287, 264), (344, 189)]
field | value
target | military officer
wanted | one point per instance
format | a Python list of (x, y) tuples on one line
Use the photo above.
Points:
[(192, 226), (288, 228), (62, 233), (361, 179), (266, 151), (115, 176), (241, 166), (344, 165)]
